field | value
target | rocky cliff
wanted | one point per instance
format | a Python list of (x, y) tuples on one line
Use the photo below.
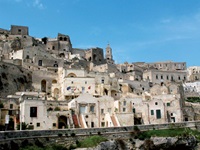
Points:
[(13, 79)]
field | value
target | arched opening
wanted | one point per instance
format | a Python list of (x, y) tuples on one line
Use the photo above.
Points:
[(43, 85), (71, 75), (62, 55), (54, 81), (90, 59), (61, 38), (105, 92), (53, 47), (55, 65), (65, 39), (62, 122), (56, 93)]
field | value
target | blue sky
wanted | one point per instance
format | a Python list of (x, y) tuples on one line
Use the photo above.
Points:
[(137, 30)]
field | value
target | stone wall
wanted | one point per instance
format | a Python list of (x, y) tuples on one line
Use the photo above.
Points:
[(6, 135)]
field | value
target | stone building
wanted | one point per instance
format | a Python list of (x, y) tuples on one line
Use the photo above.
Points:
[(40, 114), (94, 112), (164, 77), (109, 56), (193, 73), (19, 30), (61, 46), (95, 55), (99, 92)]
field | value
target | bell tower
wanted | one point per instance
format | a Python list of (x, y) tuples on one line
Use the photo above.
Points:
[(109, 57)]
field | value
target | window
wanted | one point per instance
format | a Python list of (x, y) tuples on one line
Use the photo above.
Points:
[(167, 77), (11, 106), (168, 104), (38, 124), (92, 124), (124, 109), (102, 124), (33, 111), (124, 103), (85, 82), (158, 114), (72, 82), (156, 103), (152, 112), (161, 77), (179, 77), (54, 124), (39, 62), (102, 111), (102, 80), (133, 110), (91, 108), (156, 76)]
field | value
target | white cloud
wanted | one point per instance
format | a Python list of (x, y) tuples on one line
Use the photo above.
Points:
[(38, 4)]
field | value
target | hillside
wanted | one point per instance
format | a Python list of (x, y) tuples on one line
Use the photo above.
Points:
[(13, 78)]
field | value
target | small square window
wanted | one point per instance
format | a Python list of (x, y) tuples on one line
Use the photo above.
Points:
[(156, 103), (38, 124), (72, 82), (54, 124), (168, 104)]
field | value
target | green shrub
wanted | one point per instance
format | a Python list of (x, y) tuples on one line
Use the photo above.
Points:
[(91, 141)]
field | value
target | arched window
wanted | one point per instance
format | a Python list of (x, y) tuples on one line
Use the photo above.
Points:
[(56, 93), (71, 75), (54, 81)]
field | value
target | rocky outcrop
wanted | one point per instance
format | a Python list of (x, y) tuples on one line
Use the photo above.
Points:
[(155, 143), (169, 143), (13, 79)]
